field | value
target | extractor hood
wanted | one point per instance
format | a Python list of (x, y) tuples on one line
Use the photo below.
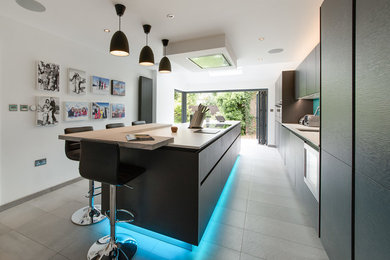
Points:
[(201, 54)]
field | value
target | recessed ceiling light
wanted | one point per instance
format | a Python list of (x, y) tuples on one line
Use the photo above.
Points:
[(273, 51), (261, 39), (260, 59), (170, 16), (31, 5), (107, 30)]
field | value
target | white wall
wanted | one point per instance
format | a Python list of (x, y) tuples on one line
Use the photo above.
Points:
[(21, 141)]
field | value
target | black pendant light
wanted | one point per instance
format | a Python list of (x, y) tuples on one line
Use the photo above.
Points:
[(119, 45), (165, 64), (146, 57)]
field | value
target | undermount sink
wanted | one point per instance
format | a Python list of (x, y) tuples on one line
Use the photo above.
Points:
[(308, 130)]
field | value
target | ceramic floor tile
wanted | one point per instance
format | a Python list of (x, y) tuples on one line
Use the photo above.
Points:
[(230, 217), (276, 228), (20, 215), (79, 247), (14, 246), (244, 256), (271, 248), (210, 251), (60, 257), (54, 232), (50, 201), (224, 235), (281, 213), (4, 229)]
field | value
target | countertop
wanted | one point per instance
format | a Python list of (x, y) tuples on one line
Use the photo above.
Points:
[(312, 137), (186, 138)]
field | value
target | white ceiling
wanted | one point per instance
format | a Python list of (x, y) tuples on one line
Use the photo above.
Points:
[(289, 24)]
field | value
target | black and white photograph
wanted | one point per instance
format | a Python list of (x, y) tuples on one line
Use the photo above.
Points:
[(48, 111), (77, 82), (48, 76)]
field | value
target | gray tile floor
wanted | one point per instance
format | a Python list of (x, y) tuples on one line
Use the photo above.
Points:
[(257, 217)]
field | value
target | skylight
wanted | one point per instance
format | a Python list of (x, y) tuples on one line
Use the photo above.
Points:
[(211, 61)]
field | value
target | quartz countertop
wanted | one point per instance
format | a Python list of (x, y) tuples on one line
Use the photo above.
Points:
[(187, 138), (311, 137)]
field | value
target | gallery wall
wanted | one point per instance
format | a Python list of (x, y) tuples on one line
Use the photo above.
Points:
[(21, 141)]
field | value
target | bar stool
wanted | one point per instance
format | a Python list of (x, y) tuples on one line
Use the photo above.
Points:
[(90, 214), (101, 162), (138, 123), (114, 125)]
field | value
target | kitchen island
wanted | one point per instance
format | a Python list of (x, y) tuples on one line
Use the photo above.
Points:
[(184, 177)]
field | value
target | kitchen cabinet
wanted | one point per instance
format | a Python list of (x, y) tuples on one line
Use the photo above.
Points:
[(372, 138), (336, 127), (307, 82), (291, 149)]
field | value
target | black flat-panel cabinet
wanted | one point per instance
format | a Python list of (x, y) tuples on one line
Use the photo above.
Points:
[(336, 128), (336, 207), (336, 94), (311, 73), (372, 190), (145, 100)]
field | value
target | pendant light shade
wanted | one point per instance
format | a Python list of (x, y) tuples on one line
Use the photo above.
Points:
[(146, 57), (165, 64), (119, 45)]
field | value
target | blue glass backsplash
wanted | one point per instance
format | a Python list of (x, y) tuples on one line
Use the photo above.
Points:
[(316, 103)]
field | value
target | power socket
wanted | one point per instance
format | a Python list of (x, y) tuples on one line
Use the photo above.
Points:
[(40, 162)]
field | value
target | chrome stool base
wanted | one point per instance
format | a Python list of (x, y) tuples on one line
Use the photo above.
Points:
[(82, 217), (105, 248)]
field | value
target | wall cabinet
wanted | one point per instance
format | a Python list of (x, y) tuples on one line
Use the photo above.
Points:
[(307, 82)]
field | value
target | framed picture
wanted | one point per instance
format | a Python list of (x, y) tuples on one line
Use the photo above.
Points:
[(76, 111), (13, 107), (100, 110), (23, 107), (100, 85), (118, 88), (117, 110), (48, 76), (77, 82), (48, 110)]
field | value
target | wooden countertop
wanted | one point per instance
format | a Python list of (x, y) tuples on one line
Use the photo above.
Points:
[(184, 138), (118, 135)]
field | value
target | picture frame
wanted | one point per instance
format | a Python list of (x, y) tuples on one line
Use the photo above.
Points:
[(47, 111), (100, 86), (48, 76), (118, 110), (76, 111), (77, 82), (100, 110), (118, 88)]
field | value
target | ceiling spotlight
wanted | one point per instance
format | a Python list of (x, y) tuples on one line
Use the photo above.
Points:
[(261, 39), (170, 16), (119, 45), (260, 59), (165, 64), (107, 30), (146, 57), (274, 51), (31, 5)]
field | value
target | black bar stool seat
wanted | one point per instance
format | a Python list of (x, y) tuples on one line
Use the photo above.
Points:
[(101, 162), (114, 125), (90, 214), (138, 123)]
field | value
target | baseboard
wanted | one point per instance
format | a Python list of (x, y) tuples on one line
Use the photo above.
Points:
[(272, 145), (35, 195)]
